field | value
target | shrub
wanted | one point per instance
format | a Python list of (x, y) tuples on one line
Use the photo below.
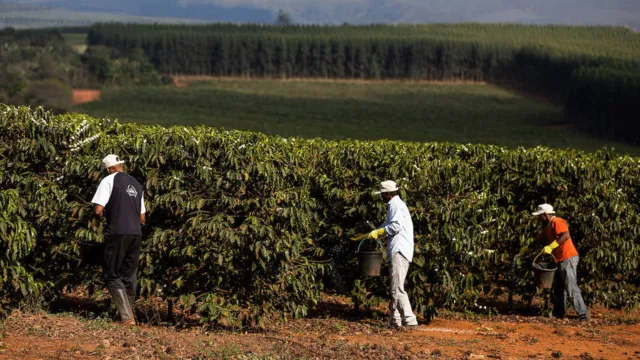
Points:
[(51, 93)]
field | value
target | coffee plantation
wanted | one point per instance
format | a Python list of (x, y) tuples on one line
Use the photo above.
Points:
[(243, 228)]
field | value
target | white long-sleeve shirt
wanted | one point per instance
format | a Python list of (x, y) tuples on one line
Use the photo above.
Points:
[(399, 229)]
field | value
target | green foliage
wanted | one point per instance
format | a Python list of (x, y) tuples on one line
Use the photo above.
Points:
[(109, 68), (41, 37), (603, 101), (17, 240), (38, 72), (51, 93), (243, 227)]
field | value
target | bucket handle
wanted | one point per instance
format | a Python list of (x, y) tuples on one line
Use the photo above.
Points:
[(365, 239), (542, 252)]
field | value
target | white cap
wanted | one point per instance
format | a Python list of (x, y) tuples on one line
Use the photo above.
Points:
[(544, 209), (111, 160), (387, 186)]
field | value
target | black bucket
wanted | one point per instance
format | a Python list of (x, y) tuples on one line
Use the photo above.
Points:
[(91, 252), (370, 263), (543, 274)]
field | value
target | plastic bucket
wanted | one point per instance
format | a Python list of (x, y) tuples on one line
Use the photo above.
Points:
[(370, 263), (91, 252), (544, 273)]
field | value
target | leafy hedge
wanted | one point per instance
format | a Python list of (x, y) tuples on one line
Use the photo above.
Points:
[(243, 227)]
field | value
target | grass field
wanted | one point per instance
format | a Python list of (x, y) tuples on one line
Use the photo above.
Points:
[(463, 113), (77, 41)]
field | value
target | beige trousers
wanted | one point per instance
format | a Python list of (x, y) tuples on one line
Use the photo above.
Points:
[(400, 312)]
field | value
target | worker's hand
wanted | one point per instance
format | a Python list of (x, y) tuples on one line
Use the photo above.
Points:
[(375, 234), (358, 237), (549, 248)]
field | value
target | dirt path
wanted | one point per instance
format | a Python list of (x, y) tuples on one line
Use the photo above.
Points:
[(81, 96), (45, 336)]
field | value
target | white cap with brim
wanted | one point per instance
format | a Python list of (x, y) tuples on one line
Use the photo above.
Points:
[(544, 209), (387, 186), (111, 160)]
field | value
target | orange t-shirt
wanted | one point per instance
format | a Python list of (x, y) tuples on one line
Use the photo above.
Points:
[(556, 227)]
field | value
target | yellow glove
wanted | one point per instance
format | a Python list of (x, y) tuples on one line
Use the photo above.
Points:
[(375, 234), (549, 248), (358, 237)]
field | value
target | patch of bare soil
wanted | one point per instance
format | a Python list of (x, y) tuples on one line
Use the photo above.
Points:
[(333, 332), (81, 96)]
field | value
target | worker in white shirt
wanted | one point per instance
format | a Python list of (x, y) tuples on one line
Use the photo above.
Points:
[(398, 228)]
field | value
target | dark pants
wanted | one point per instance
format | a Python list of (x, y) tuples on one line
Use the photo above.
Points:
[(121, 258)]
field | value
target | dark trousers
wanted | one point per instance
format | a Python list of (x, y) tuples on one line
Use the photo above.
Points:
[(121, 258)]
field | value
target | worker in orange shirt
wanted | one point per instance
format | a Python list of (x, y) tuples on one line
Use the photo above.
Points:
[(557, 240)]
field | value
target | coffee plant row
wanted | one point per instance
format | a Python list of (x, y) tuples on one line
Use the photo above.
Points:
[(244, 228)]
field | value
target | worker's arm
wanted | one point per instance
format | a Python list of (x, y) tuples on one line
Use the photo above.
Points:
[(98, 210), (392, 227), (143, 210), (384, 229), (101, 198), (563, 237)]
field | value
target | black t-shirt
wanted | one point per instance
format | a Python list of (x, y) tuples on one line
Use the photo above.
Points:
[(123, 201)]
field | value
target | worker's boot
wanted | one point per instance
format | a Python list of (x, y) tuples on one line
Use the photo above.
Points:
[(122, 304), (132, 306)]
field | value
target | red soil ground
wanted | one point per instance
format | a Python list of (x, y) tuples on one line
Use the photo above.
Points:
[(81, 96), (328, 334)]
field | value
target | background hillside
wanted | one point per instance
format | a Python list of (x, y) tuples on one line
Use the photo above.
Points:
[(587, 12)]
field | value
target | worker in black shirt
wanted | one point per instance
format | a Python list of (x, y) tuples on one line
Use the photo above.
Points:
[(120, 198)]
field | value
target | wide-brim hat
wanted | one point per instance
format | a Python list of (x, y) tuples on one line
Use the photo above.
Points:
[(387, 186)]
